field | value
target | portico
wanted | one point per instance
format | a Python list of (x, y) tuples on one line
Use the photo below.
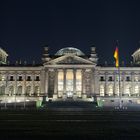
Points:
[(70, 75), (69, 83)]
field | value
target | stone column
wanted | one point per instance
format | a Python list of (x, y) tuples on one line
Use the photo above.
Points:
[(96, 83), (122, 85), (33, 86), (83, 84), (6, 84), (114, 87), (24, 84), (15, 86), (106, 84), (132, 84), (42, 82), (92, 82), (56, 83), (74, 81), (46, 83), (64, 82)]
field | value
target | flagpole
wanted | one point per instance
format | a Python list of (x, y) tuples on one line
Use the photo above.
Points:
[(120, 96), (116, 56)]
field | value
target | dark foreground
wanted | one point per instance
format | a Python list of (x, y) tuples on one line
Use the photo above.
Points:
[(79, 124)]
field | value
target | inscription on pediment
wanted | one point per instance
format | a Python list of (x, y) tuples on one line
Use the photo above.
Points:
[(70, 60)]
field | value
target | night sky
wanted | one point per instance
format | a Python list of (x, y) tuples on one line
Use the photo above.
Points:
[(25, 26)]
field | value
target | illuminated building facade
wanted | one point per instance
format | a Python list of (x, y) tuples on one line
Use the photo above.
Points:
[(69, 74)]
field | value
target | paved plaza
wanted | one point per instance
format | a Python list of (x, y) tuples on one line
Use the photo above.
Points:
[(73, 121)]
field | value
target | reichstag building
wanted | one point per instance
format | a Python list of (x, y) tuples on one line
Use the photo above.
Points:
[(69, 74)]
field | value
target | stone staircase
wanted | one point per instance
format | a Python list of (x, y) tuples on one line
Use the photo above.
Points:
[(71, 105)]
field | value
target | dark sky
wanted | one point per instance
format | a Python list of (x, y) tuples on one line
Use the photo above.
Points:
[(26, 25)]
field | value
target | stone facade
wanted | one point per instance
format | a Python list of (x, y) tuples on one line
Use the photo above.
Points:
[(69, 74)]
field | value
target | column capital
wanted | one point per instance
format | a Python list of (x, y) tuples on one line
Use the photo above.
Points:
[(56, 82), (83, 71)]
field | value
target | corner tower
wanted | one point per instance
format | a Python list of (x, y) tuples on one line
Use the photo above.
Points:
[(3, 56)]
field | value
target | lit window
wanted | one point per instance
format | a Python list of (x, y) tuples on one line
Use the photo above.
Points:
[(136, 78), (136, 89), (2, 90), (127, 89), (3, 78), (102, 90), (28, 90), (11, 90), (110, 90), (37, 90), (19, 90)]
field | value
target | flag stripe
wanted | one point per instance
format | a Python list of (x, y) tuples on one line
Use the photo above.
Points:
[(116, 56)]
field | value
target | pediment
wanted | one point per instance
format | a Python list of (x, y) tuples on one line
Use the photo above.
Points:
[(70, 59)]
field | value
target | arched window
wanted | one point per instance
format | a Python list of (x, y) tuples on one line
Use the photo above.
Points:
[(136, 89), (28, 90), (110, 90), (19, 90), (37, 90), (11, 90), (102, 90), (127, 89), (2, 90)]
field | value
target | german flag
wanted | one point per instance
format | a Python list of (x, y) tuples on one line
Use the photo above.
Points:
[(116, 56)]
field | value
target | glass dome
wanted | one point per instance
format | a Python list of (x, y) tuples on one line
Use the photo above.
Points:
[(136, 56), (69, 50)]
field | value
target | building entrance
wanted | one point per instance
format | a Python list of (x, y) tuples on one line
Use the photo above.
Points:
[(69, 83), (69, 94)]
